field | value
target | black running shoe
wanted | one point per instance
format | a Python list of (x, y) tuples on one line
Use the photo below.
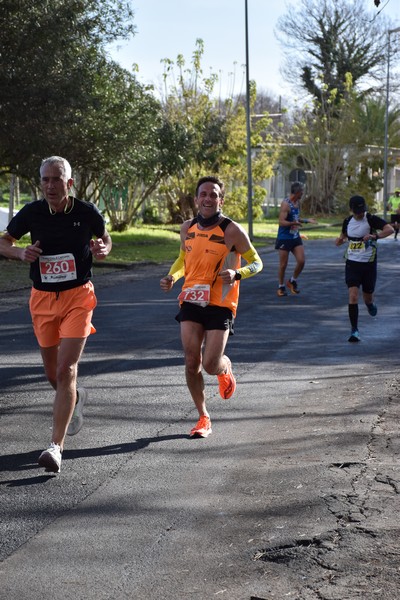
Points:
[(354, 336)]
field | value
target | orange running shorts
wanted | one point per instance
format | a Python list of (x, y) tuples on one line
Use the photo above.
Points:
[(66, 314)]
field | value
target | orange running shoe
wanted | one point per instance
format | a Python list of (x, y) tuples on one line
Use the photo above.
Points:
[(202, 428), (227, 383)]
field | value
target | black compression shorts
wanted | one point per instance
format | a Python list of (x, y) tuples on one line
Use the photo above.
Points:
[(211, 317)]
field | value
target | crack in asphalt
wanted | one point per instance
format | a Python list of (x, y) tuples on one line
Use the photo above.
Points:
[(358, 520)]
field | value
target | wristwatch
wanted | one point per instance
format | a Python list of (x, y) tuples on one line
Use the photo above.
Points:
[(238, 276)]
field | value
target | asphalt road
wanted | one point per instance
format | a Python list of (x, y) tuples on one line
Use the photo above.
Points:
[(294, 495)]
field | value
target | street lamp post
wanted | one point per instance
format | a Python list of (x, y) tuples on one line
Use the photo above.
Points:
[(248, 136), (385, 152)]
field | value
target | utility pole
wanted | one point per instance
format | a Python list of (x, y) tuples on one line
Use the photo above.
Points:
[(386, 144), (248, 134)]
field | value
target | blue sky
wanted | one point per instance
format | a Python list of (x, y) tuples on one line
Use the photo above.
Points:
[(166, 28)]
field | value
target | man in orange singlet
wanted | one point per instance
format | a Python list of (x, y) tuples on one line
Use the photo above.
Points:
[(210, 261)]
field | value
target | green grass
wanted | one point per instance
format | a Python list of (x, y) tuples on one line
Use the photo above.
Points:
[(145, 243), (160, 243), (24, 198), (266, 230)]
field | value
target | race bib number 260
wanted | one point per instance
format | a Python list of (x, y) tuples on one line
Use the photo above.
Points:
[(56, 268)]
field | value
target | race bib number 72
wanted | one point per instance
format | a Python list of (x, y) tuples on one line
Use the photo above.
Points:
[(56, 268)]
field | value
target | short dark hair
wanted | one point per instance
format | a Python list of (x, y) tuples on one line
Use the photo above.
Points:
[(211, 179), (296, 187)]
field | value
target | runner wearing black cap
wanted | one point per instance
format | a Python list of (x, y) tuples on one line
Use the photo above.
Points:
[(361, 231)]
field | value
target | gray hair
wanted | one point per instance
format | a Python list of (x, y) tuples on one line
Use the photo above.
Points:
[(62, 162)]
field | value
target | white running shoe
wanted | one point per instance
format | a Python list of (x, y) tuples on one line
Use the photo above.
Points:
[(50, 459), (76, 422)]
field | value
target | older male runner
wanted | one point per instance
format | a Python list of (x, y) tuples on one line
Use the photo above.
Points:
[(62, 297), (289, 239)]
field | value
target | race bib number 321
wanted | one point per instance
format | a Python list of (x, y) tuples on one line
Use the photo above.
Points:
[(57, 268)]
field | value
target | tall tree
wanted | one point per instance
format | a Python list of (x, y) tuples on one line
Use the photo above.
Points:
[(264, 139), (323, 141), (47, 54), (188, 103), (338, 51), (216, 139), (326, 39), (370, 115)]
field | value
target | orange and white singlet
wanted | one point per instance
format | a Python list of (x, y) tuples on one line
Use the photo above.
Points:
[(207, 255)]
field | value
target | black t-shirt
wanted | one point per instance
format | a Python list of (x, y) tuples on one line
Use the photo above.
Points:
[(64, 239)]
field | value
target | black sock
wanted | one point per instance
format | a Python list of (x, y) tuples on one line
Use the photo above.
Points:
[(353, 315)]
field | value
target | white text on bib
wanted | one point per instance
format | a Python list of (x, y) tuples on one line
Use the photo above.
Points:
[(57, 268)]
